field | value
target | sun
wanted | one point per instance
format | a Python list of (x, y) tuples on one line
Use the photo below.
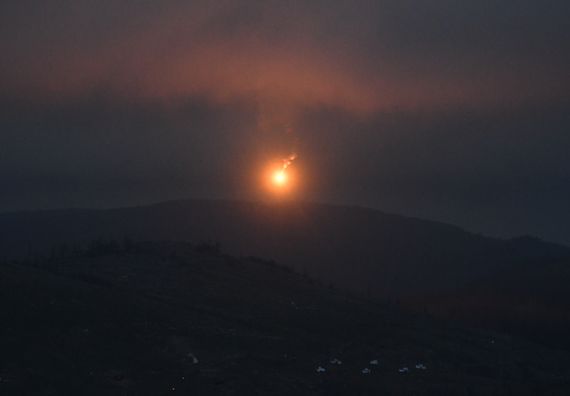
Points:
[(280, 177), (279, 181)]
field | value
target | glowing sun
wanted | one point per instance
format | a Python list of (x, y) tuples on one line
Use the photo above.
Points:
[(280, 177)]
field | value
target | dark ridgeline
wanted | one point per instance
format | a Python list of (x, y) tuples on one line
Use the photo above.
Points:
[(516, 285), (127, 318), (361, 249)]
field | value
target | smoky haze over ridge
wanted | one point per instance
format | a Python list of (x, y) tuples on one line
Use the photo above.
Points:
[(454, 112), (362, 56)]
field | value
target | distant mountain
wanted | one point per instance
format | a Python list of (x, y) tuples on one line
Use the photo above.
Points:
[(360, 249), (171, 318)]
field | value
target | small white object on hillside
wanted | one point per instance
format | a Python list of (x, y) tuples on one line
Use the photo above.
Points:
[(321, 369), (374, 362), (404, 370), (336, 361), (193, 357), (366, 370)]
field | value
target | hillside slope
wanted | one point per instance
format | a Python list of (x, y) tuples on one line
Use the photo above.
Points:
[(360, 249), (167, 318)]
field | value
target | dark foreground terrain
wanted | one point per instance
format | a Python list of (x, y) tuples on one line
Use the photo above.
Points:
[(165, 318)]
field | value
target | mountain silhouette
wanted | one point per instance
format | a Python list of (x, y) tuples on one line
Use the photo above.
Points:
[(355, 248)]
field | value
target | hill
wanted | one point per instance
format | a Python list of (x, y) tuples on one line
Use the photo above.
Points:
[(167, 318), (355, 248)]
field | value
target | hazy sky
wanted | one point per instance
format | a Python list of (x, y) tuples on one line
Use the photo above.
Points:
[(450, 110)]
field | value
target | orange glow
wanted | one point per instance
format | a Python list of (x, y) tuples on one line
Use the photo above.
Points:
[(280, 177), (278, 182)]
